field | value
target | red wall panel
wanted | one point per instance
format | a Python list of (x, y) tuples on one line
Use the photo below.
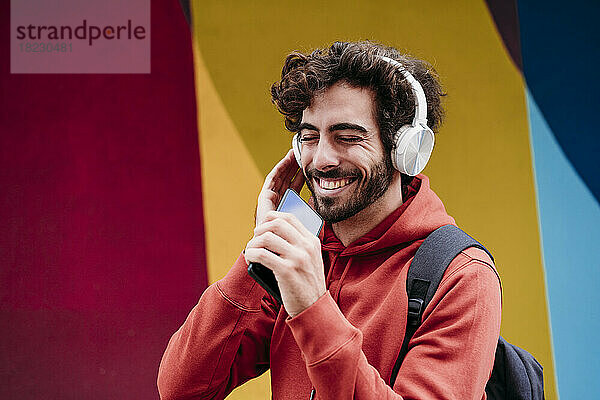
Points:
[(101, 245)]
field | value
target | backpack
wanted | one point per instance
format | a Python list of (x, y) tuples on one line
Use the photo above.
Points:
[(516, 374)]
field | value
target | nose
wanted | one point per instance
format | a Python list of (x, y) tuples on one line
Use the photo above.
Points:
[(325, 155)]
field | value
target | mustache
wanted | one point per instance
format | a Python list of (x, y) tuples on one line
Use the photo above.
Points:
[(332, 173)]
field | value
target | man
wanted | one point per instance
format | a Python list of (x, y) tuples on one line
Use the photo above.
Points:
[(344, 310)]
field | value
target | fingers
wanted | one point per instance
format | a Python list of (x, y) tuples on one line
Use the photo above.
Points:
[(286, 174), (298, 182), (282, 244), (284, 224), (279, 227), (284, 161), (270, 241), (291, 167), (263, 257), (269, 246), (281, 175)]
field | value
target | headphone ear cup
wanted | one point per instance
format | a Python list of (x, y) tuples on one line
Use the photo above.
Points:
[(296, 148), (398, 149), (412, 150)]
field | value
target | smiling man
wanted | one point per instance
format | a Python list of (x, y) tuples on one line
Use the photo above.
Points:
[(353, 108)]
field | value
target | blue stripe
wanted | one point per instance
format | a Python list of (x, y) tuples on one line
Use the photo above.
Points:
[(570, 227), (560, 60)]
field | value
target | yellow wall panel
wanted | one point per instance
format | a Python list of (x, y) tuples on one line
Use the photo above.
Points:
[(230, 179), (230, 185)]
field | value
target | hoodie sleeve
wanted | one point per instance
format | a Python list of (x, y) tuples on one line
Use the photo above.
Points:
[(450, 356), (223, 342)]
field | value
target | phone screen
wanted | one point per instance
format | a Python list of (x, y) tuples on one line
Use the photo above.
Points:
[(294, 204)]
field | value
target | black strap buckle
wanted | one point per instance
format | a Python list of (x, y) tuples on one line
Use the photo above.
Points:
[(414, 311)]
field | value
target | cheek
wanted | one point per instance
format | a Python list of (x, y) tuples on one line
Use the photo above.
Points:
[(368, 168), (305, 159), (366, 165)]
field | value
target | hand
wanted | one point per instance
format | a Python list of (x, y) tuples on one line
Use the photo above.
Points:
[(282, 244), (283, 176)]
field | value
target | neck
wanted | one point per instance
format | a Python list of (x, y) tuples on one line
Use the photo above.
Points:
[(364, 221)]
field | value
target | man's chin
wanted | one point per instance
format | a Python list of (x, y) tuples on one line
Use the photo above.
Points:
[(333, 209), (332, 212)]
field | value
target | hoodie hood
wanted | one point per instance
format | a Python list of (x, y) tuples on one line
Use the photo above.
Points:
[(421, 213)]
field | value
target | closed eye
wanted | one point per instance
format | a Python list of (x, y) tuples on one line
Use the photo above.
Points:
[(350, 139), (308, 138)]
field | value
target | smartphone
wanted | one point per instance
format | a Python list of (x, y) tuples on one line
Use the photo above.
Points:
[(294, 204)]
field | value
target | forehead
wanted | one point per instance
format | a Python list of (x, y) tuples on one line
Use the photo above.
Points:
[(342, 103)]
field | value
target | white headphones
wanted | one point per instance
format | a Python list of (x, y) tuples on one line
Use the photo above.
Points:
[(412, 144)]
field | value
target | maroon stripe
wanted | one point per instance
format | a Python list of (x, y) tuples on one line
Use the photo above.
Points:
[(506, 19), (102, 245)]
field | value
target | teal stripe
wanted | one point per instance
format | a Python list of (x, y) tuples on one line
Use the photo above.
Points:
[(570, 227)]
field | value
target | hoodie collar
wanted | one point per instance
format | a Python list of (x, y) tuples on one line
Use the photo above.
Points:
[(420, 214)]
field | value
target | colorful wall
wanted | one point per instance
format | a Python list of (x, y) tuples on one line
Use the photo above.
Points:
[(123, 196), (505, 164)]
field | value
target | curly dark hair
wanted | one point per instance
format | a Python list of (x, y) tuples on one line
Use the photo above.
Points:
[(357, 64)]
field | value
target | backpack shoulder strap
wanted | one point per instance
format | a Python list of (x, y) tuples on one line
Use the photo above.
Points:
[(425, 274)]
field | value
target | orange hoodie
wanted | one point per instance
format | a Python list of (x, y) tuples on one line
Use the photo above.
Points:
[(345, 345)]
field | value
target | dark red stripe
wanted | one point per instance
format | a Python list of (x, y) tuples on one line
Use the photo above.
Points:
[(506, 19), (102, 239)]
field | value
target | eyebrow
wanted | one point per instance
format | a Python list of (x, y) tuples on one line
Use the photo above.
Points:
[(307, 126), (342, 126)]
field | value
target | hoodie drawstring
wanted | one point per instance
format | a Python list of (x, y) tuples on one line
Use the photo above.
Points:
[(339, 286), (331, 265)]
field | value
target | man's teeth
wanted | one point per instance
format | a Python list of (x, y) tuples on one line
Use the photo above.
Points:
[(334, 184)]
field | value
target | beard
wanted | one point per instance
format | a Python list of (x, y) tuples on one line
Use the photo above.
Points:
[(334, 209)]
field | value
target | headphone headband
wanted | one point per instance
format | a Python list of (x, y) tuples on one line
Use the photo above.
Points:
[(417, 89)]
